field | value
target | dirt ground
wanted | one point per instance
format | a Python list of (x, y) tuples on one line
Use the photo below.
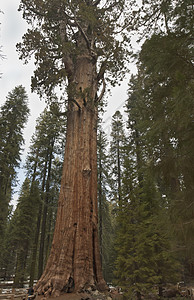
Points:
[(84, 296), (71, 296)]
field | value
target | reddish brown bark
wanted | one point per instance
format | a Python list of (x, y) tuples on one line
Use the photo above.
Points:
[(74, 262)]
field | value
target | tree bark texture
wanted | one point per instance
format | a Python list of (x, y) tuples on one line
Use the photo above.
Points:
[(74, 263)]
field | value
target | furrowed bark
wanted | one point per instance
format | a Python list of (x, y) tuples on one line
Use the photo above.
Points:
[(74, 263)]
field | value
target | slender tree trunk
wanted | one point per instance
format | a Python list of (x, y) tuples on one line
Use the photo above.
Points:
[(35, 246), (74, 263), (100, 200), (139, 158), (21, 265), (44, 215), (48, 237), (119, 172), (38, 224)]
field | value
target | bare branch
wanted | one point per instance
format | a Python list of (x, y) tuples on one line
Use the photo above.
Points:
[(102, 92), (96, 2), (84, 34), (102, 70)]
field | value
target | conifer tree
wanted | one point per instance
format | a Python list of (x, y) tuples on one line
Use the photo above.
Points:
[(76, 44), (1, 53), (106, 228), (165, 83), (23, 222), (44, 152), (144, 242), (117, 143), (13, 116)]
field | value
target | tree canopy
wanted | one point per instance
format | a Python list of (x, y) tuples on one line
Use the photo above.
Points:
[(63, 30)]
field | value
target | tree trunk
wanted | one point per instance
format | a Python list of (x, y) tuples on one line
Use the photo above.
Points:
[(38, 223), (48, 235), (35, 246), (119, 173), (100, 200), (44, 213), (74, 263), (20, 271)]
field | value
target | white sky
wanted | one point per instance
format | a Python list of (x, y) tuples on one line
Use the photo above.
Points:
[(16, 73)]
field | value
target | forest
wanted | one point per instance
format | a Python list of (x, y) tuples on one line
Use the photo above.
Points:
[(124, 201)]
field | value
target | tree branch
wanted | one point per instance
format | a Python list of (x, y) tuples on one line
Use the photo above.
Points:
[(32, 9), (102, 70), (84, 34), (96, 2), (72, 21), (102, 92)]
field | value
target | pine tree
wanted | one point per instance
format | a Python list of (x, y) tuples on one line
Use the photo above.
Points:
[(106, 227), (76, 44), (13, 116), (165, 83), (117, 143), (1, 52), (23, 222), (43, 161), (144, 244), (168, 91)]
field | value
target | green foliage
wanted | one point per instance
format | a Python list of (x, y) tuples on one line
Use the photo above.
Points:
[(106, 221), (13, 116), (116, 154), (44, 163), (148, 175), (38, 198), (168, 93), (143, 242), (64, 30), (158, 179), (50, 128), (19, 232)]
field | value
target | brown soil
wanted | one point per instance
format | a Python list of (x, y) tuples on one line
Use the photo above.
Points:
[(83, 296), (71, 296)]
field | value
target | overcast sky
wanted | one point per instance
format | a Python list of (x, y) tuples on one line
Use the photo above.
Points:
[(16, 73)]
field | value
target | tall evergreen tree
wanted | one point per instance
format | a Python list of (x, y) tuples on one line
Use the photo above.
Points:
[(1, 53), (106, 227), (117, 143), (144, 242), (165, 83), (44, 152), (13, 116), (18, 238), (25, 220), (75, 43)]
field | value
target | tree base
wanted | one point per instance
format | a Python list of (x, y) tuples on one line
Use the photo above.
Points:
[(89, 295)]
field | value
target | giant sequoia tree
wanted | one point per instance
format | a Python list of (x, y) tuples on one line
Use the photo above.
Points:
[(75, 46)]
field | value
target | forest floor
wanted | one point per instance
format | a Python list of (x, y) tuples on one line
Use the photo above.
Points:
[(71, 296), (83, 296)]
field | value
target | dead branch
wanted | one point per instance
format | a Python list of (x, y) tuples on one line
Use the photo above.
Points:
[(102, 92), (96, 2)]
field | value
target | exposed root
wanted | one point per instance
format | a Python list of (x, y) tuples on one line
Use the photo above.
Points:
[(56, 287)]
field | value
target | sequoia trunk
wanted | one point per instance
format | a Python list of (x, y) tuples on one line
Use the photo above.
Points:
[(74, 263)]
